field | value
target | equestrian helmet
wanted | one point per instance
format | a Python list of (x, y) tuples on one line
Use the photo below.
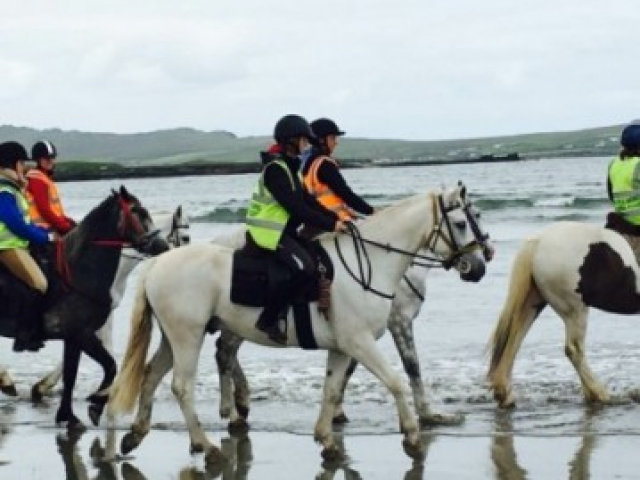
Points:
[(323, 127), (43, 149), (11, 153), (630, 137), (291, 126)]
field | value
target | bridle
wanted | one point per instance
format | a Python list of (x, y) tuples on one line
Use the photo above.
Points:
[(441, 215), (175, 238), (128, 222)]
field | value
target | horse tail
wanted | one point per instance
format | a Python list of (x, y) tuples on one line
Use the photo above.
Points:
[(524, 303), (127, 385)]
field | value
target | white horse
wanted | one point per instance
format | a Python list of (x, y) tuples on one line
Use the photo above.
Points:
[(406, 305), (195, 298), (571, 266), (174, 227)]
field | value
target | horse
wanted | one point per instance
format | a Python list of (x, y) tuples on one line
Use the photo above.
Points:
[(195, 299), (406, 305), (572, 267), (174, 228), (78, 302)]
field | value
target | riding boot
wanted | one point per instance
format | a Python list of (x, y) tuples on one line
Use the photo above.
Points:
[(29, 334), (268, 323)]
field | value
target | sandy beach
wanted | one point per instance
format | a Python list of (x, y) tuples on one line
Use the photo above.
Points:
[(31, 448)]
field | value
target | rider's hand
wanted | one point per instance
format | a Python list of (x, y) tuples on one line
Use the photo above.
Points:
[(54, 237), (340, 227)]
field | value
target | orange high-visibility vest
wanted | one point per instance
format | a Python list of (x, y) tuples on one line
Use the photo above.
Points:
[(323, 193), (54, 198)]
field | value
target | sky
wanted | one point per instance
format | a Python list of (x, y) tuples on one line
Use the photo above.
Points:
[(404, 69)]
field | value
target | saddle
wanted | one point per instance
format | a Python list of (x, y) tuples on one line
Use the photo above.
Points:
[(256, 275)]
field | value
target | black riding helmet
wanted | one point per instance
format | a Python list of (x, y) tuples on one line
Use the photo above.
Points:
[(43, 149), (292, 126), (11, 153), (630, 137), (323, 127)]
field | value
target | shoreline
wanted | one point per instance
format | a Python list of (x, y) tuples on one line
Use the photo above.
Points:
[(70, 172)]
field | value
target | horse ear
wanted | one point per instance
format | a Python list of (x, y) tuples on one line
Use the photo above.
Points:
[(124, 193), (463, 191), (179, 211)]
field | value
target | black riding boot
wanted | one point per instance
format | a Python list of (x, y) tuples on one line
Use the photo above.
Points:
[(29, 334), (268, 323)]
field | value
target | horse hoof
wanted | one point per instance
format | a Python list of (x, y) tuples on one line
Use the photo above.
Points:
[(413, 450), (9, 390), (74, 426), (441, 420), (37, 396), (129, 442), (238, 427), (340, 419), (332, 454), (243, 411), (214, 458), (95, 412)]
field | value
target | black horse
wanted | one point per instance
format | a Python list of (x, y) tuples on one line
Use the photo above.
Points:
[(81, 270)]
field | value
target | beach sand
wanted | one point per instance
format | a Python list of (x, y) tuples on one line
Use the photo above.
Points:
[(31, 448)]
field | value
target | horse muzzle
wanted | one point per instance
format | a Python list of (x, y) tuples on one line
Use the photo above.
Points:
[(470, 267), (152, 244)]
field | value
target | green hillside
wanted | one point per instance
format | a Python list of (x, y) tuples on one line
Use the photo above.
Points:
[(186, 145)]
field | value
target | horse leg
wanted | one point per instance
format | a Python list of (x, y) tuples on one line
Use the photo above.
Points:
[(339, 417), (93, 347), (364, 349), (44, 386), (402, 333), (576, 331), (155, 371), (6, 384), (185, 361), (71, 360), (234, 389), (337, 365)]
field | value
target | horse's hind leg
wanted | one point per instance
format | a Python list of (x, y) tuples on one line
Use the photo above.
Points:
[(6, 384), (576, 331), (234, 389), (339, 417), (156, 369)]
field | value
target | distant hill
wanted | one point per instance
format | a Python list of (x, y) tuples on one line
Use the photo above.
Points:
[(189, 146)]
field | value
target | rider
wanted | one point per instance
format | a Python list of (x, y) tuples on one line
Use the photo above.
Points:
[(322, 176), (279, 206), (16, 232), (623, 181), (45, 206)]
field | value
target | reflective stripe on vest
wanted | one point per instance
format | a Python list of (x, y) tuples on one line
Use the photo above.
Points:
[(53, 198), (624, 176), (266, 218), (323, 193), (8, 239)]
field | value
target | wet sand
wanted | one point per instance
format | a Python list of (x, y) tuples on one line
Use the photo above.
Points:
[(31, 449)]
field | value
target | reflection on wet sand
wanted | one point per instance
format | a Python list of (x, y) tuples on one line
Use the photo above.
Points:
[(505, 459), (239, 453), (6, 413)]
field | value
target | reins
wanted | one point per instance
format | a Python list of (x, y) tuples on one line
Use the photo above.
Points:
[(365, 272)]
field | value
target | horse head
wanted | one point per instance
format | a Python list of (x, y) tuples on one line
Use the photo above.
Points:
[(136, 226), (179, 231), (458, 236)]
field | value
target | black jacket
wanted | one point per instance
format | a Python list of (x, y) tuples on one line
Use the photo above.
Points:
[(303, 207)]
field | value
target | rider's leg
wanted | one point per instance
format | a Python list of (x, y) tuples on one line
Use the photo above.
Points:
[(19, 262)]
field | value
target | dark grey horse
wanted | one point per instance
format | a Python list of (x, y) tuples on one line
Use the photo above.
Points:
[(81, 272)]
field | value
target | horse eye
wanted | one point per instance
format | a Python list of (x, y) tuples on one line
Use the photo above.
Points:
[(461, 224)]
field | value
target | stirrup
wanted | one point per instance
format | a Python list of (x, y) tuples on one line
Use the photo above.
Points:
[(273, 332)]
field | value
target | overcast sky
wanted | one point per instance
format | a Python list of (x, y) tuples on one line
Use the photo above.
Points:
[(410, 69)]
